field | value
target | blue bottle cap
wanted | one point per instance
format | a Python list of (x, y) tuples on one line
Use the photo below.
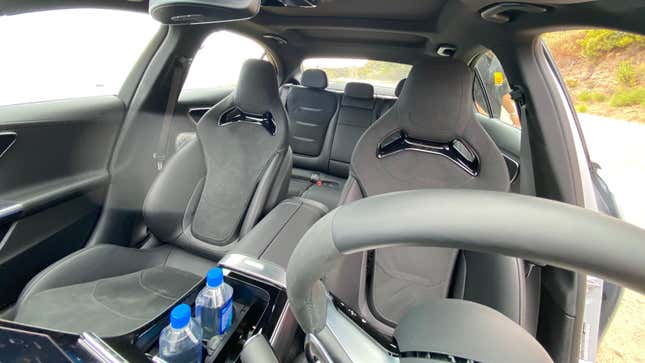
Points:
[(215, 277), (180, 316)]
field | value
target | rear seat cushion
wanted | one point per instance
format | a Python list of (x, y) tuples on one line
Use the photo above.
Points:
[(327, 191), (357, 110)]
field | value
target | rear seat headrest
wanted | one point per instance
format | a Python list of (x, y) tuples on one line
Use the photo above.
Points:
[(257, 87), (399, 87), (363, 91), (314, 78)]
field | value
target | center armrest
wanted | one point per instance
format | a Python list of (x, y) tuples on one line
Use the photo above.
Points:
[(276, 236)]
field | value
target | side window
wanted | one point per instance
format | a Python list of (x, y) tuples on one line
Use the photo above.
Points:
[(52, 55), (219, 60), (481, 104), (604, 72), (492, 91)]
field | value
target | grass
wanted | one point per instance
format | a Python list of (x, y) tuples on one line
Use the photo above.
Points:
[(628, 97), (582, 108), (626, 74), (591, 96)]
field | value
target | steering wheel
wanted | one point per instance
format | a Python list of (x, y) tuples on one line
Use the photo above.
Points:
[(531, 228)]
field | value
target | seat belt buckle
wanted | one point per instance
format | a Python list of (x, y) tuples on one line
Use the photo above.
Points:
[(314, 178), (159, 160)]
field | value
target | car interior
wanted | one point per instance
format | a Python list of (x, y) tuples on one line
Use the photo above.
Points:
[(362, 223)]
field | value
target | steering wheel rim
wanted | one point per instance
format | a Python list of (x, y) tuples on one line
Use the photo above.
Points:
[(493, 222)]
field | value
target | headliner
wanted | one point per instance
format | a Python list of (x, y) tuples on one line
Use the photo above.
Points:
[(401, 30)]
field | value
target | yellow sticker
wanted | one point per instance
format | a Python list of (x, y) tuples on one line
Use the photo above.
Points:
[(499, 78)]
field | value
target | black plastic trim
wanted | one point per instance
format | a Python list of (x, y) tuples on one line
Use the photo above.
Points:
[(236, 115), (458, 151)]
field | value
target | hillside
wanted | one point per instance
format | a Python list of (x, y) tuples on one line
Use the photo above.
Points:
[(604, 70)]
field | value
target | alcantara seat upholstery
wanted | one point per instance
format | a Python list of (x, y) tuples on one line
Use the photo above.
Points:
[(435, 108), (211, 193)]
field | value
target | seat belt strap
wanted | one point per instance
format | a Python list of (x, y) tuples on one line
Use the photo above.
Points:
[(284, 93), (527, 176), (178, 73)]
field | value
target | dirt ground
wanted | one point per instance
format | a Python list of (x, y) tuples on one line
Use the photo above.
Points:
[(624, 340), (596, 75)]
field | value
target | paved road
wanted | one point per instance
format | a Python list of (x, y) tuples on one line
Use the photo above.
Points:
[(619, 147)]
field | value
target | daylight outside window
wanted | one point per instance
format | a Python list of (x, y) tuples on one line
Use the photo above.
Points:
[(382, 75), (80, 54), (604, 71)]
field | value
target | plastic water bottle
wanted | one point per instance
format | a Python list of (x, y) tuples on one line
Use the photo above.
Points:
[(181, 341), (214, 305)]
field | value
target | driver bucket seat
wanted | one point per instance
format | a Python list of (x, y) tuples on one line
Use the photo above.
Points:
[(211, 193), (430, 138)]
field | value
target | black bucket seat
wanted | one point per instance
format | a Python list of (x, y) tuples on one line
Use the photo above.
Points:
[(430, 138), (211, 193)]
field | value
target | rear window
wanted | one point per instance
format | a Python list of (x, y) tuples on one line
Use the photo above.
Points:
[(382, 75)]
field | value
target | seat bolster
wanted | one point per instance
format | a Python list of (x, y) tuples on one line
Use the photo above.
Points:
[(270, 190), (351, 191), (493, 280), (91, 264), (280, 187), (169, 195)]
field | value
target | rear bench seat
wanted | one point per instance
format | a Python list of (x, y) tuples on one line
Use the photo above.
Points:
[(325, 127)]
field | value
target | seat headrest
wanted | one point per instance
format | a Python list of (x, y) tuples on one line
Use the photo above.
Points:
[(314, 78), (436, 100), (363, 91), (399, 87), (257, 87)]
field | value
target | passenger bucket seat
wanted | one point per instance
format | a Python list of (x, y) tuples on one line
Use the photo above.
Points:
[(211, 193), (428, 139)]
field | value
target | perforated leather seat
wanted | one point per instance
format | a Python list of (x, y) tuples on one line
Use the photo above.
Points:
[(211, 193), (434, 112)]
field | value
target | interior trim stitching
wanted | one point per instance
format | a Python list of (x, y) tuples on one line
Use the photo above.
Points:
[(150, 289), (110, 309)]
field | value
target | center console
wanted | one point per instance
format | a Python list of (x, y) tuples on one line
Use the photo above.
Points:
[(260, 307)]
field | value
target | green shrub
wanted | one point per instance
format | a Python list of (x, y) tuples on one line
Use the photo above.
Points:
[(591, 96), (601, 41), (626, 74), (628, 98), (582, 108), (584, 96)]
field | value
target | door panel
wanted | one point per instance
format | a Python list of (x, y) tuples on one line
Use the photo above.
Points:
[(52, 180)]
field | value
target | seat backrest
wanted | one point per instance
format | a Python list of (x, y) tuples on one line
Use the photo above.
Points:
[(216, 188), (435, 106), (357, 112), (428, 139), (310, 109)]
